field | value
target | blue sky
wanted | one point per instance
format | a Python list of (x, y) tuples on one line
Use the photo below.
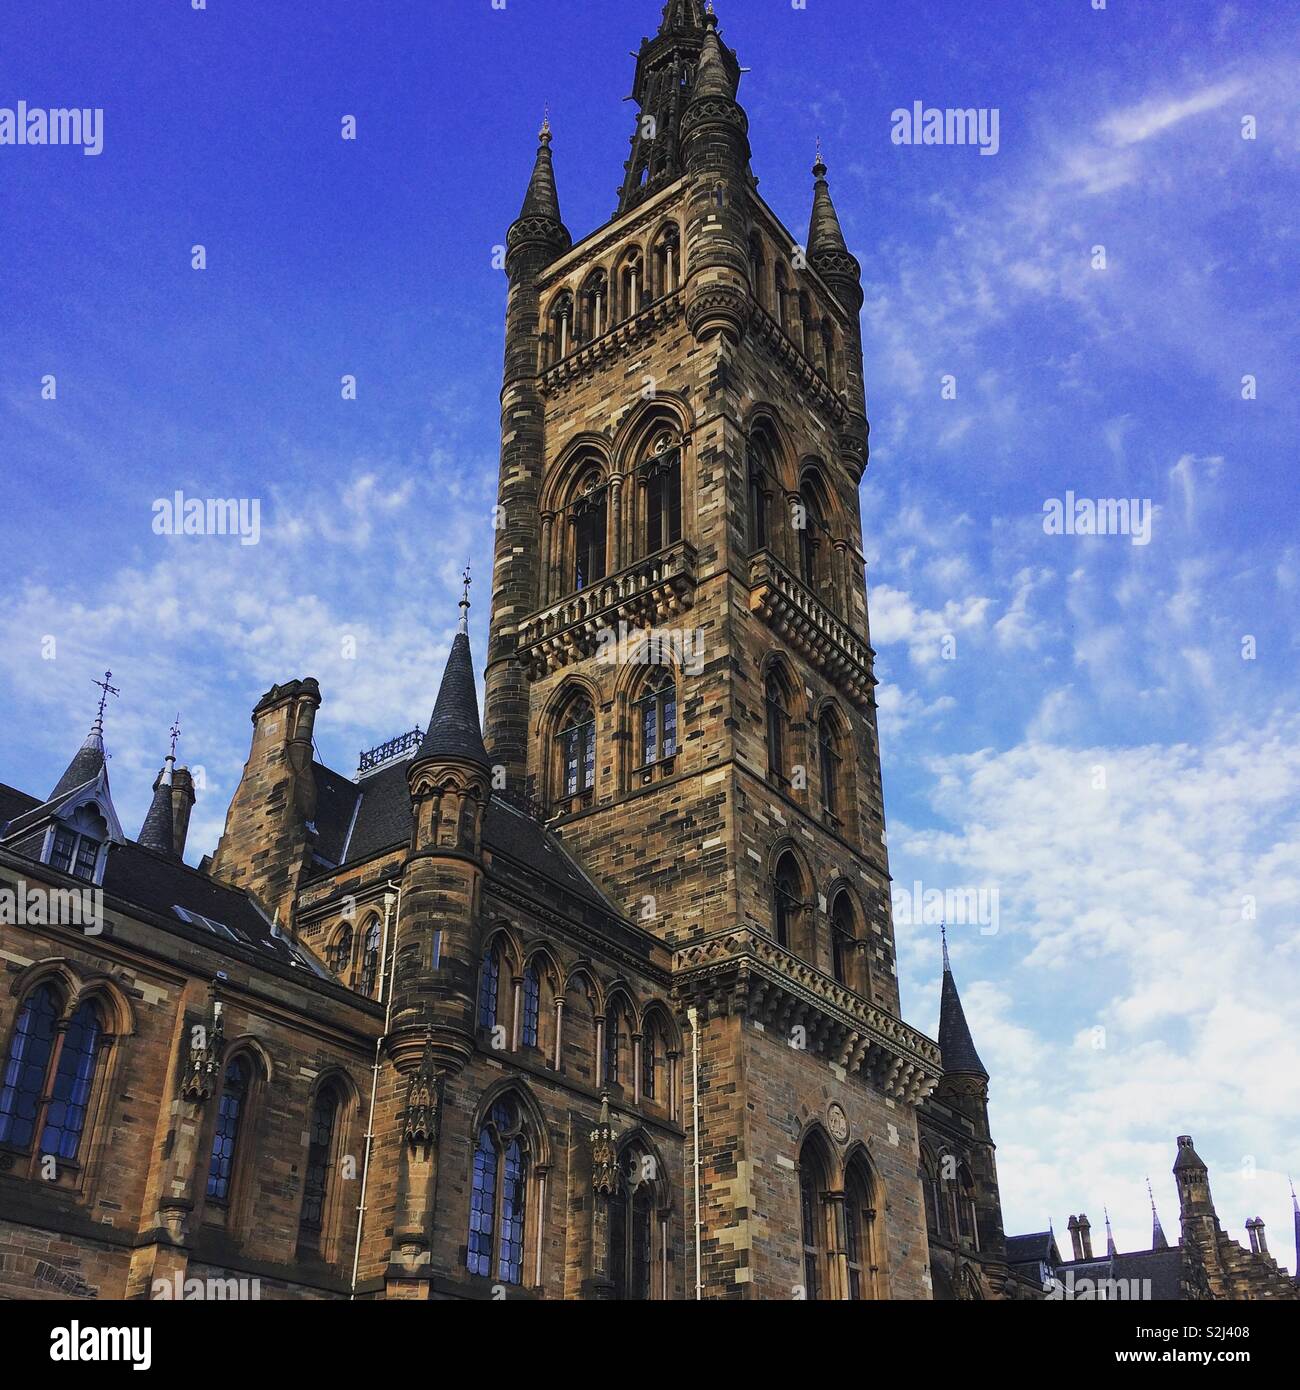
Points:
[(1160, 908)]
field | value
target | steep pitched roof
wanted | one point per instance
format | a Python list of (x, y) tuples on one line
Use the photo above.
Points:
[(156, 832), (454, 730), (955, 1041)]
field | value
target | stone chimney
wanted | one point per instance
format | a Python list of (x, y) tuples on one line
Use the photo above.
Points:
[(1073, 1228), (1259, 1242), (1085, 1235), (182, 805)]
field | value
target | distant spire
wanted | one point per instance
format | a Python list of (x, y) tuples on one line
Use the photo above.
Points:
[(712, 79), (1110, 1238), (955, 1041), (158, 830), (1295, 1207), (828, 252), (88, 761), (1158, 1239)]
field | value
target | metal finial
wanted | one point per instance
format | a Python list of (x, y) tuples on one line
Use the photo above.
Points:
[(176, 733), (106, 690), (464, 601), (943, 933), (544, 135)]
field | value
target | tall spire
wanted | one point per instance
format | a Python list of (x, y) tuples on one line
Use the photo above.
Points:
[(454, 730), (828, 252), (682, 17), (1158, 1239), (158, 830), (713, 78), (1295, 1208), (955, 1041), (542, 201), (88, 761), (1110, 1236)]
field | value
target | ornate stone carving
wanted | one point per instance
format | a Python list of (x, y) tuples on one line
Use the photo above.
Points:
[(424, 1100), (207, 1042), (604, 1153)]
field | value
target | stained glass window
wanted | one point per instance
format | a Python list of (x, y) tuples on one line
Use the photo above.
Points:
[(370, 959), (29, 1057), (578, 749), (73, 1079), (498, 1197), (488, 985), (658, 719), (225, 1138), (532, 1005), (320, 1148), (340, 952)]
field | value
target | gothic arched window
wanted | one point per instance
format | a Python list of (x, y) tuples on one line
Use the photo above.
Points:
[(613, 1028), (758, 270), (657, 718), (859, 1230), (561, 327), (499, 1195), (489, 988), (843, 939), (76, 843), (340, 950), (778, 725), (589, 526), (632, 1220), (761, 474), (231, 1114), (577, 749), (532, 1006), (812, 1220), (782, 296), (810, 537), (788, 906), (807, 329), (370, 958), (594, 316), (667, 266), (30, 1048), (320, 1164), (74, 1075), (829, 760), (662, 477), (631, 287)]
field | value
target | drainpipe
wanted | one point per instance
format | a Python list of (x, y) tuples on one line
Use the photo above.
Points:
[(693, 1017), (385, 998)]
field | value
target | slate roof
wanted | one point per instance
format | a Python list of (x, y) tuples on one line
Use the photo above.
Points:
[(955, 1041), (454, 730), (87, 763), (14, 803), (1163, 1268), (1039, 1246), (373, 814)]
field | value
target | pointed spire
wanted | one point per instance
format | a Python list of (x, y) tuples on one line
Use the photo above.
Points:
[(712, 78), (1110, 1237), (542, 199), (158, 830), (1158, 1239), (88, 761), (1295, 1207), (454, 730), (955, 1041), (828, 252)]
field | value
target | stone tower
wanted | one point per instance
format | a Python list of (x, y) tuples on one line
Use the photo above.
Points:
[(680, 674)]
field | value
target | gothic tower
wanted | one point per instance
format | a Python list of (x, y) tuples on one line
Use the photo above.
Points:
[(680, 672)]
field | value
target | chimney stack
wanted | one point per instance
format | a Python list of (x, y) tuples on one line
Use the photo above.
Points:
[(1260, 1237), (1250, 1232), (182, 804), (1085, 1235), (1073, 1227)]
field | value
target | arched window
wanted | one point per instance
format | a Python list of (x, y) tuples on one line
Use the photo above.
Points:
[(497, 1201), (370, 959), (844, 940), (758, 270), (828, 758), (762, 474), (812, 1220), (613, 1028), (788, 905), (231, 1110), (74, 1076), (782, 296), (577, 749), (810, 538), (340, 951), (667, 267), (589, 526), (561, 326), (320, 1165), (651, 1047), (594, 318), (657, 719), (930, 1185), (489, 988), (662, 478), (807, 328), (632, 1221), (964, 1197), (829, 354), (532, 1005), (778, 726), (631, 286), (860, 1230), (30, 1049)]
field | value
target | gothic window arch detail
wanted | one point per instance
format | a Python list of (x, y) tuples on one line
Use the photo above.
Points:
[(777, 723), (860, 1235), (574, 756), (790, 906), (561, 327), (318, 1218), (589, 517), (339, 954), (758, 271), (503, 1170), (656, 722), (631, 285), (638, 1226), (593, 316), (371, 945), (489, 986), (531, 999), (667, 260), (231, 1129), (814, 1217), (660, 476)]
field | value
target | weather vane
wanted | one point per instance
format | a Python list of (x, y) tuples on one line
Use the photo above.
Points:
[(107, 691), (176, 733)]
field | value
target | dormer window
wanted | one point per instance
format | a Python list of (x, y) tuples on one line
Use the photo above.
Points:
[(75, 845)]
